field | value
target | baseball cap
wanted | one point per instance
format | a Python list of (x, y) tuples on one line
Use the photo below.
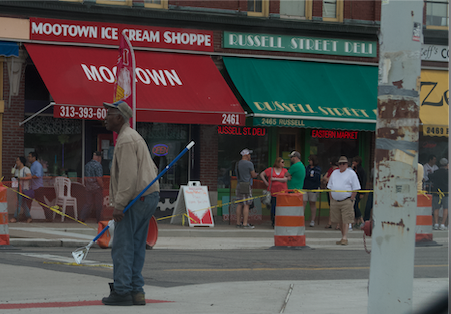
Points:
[(122, 106), (443, 161), (343, 159), (295, 154), (246, 152)]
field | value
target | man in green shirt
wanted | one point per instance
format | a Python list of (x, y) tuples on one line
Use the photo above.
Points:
[(296, 173)]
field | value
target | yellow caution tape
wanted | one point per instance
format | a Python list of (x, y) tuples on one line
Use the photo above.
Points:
[(55, 208)]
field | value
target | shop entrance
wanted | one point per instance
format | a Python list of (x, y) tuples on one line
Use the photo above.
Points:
[(288, 141)]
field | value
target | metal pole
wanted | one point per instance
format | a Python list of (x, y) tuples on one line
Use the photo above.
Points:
[(396, 158), (83, 150), (132, 53)]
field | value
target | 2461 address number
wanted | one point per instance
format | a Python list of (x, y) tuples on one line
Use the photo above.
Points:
[(231, 119)]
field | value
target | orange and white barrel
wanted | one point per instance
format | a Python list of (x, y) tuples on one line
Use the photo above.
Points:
[(4, 230), (289, 229), (423, 228)]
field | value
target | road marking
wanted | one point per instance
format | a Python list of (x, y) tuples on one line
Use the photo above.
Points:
[(278, 269), (64, 260), (81, 265), (285, 302), (11, 306)]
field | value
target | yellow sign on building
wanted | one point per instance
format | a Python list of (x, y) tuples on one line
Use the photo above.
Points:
[(434, 102)]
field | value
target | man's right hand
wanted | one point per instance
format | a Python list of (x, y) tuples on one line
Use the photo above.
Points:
[(117, 215)]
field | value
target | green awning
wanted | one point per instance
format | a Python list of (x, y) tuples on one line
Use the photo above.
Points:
[(307, 94)]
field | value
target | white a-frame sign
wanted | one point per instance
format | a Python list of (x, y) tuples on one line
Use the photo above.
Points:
[(193, 201)]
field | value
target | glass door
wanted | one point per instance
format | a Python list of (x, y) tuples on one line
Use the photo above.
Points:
[(288, 141)]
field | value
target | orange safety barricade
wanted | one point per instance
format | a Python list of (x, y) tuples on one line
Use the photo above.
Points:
[(4, 230), (104, 240), (423, 228), (289, 229)]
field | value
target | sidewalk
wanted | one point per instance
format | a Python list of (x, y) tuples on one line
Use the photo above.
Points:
[(72, 234)]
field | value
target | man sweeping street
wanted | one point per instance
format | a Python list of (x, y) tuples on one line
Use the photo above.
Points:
[(131, 171)]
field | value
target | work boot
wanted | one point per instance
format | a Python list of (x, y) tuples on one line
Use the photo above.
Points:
[(139, 298), (117, 299)]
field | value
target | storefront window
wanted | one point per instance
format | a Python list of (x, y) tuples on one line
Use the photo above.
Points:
[(327, 144), (430, 145), (58, 143), (234, 139), (165, 142)]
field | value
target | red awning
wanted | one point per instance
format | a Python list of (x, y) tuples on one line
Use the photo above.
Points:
[(171, 88)]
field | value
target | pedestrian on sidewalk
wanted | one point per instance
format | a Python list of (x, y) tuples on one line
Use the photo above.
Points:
[(357, 167), (312, 181), (429, 168), (37, 185), (132, 170), (275, 180), (369, 201), (342, 203), (439, 179), (94, 187), (324, 180), (245, 172), (23, 175), (296, 173)]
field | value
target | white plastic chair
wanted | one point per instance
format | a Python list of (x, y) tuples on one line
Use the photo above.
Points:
[(63, 196)]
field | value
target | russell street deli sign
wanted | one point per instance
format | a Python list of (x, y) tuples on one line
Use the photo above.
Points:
[(300, 44), (88, 32)]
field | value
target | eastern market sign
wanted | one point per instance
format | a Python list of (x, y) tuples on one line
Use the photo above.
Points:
[(328, 46), (88, 32)]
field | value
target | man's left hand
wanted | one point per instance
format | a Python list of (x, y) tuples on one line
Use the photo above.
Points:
[(117, 215)]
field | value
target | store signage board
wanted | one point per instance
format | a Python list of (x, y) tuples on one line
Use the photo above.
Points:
[(300, 44), (171, 87), (437, 53), (193, 200), (88, 32), (241, 131), (335, 134), (306, 123)]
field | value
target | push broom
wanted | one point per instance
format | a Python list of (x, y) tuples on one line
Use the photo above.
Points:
[(80, 254)]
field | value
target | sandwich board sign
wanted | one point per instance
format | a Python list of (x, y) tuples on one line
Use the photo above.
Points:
[(193, 201)]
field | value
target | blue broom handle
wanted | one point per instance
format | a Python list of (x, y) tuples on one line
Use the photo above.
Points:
[(187, 148)]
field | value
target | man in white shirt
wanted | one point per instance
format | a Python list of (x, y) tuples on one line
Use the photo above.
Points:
[(429, 167), (342, 203)]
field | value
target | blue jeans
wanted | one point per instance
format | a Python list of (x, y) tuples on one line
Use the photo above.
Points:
[(129, 244), (368, 207), (21, 202), (93, 198), (273, 209), (357, 212)]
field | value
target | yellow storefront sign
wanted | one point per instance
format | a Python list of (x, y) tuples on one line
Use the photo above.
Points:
[(434, 102)]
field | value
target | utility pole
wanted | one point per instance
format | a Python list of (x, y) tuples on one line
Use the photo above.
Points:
[(396, 159)]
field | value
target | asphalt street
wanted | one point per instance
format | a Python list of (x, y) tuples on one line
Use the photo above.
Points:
[(170, 268)]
